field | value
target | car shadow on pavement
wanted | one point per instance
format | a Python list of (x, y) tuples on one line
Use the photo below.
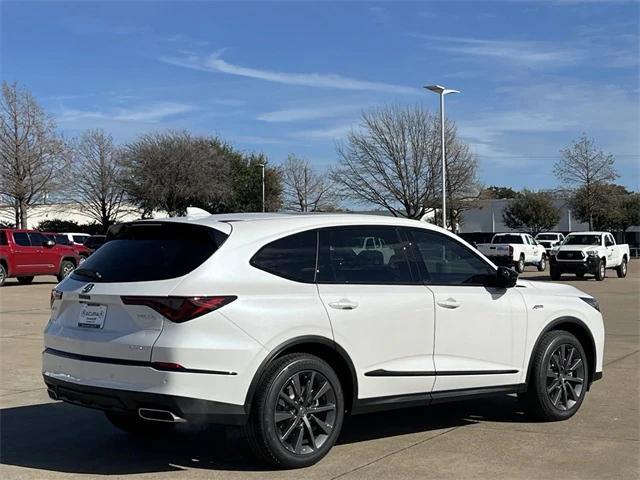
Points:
[(63, 438), (11, 283)]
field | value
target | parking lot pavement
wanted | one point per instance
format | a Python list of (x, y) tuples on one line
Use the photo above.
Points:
[(487, 438)]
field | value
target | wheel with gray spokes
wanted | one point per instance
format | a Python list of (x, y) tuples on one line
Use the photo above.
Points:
[(542, 265), (66, 267), (297, 411), (559, 377), (622, 268), (565, 377)]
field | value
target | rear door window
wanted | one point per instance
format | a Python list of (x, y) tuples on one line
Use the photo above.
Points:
[(37, 239), (292, 257), (345, 256), (22, 239), (139, 252)]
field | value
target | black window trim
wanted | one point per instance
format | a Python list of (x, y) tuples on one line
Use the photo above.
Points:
[(419, 258)]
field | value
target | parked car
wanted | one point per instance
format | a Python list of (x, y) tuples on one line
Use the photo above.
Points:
[(589, 252), (27, 253), (275, 323), (549, 240), (515, 249), (77, 238), (94, 242), (62, 239)]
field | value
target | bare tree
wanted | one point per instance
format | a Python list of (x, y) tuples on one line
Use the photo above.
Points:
[(304, 189), (95, 177), (393, 161), (584, 166), (31, 153)]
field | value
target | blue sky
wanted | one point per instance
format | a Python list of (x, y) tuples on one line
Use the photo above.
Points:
[(285, 78)]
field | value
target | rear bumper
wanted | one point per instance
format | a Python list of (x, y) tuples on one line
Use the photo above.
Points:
[(115, 400), (217, 397), (502, 260)]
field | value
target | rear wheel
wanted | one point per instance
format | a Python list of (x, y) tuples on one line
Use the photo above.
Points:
[(601, 270), (542, 265), (25, 280), (622, 268), (134, 425), (520, 264), (66, 267), (297, 412), (559, 377)]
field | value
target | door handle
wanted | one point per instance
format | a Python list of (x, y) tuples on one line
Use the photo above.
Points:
[(449, 303), (344, 304)]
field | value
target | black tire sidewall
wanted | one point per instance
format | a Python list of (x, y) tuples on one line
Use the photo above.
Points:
[(542, 266), (600, 272), (549, 343), (61, 275), (520, 264), (276, 382), (3, 275), (622, 269)]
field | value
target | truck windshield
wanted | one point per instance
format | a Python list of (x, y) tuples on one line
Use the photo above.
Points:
[(507, 239), (583, 240)]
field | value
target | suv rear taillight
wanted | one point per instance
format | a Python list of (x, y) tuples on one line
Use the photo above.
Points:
[(510, 251), (180, 309)]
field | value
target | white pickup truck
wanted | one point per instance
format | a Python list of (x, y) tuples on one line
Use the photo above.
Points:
[(515, 249), (549, 240), (589, 252)]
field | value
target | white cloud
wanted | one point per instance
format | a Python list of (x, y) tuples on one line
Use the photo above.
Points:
[(149, 113), (524, 52), (308, 113), (213, 63), (330, 133)]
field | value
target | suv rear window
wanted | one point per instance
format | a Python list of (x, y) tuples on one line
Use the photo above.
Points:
[(292, 257), (140, 252)]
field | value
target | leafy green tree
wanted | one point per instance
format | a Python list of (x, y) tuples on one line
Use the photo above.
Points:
[(614, 207), (171, 171), (531, 211), (499, 192), (246, 185)]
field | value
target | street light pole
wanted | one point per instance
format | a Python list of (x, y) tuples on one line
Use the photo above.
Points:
[(442, 92)]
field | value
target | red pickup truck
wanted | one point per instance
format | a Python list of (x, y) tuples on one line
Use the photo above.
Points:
[(27, 253)]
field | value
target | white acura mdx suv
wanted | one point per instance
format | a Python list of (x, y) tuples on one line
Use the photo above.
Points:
[(285, 323)]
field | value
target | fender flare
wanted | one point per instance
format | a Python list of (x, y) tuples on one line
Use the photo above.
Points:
[(550, 326), (304, 339)]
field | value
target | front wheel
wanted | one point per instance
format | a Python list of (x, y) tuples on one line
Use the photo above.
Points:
[(66, 267), (559, 377), (554, 273), (622, 268), (3, 274), (297, 412), (25, 280), (520, 264), (542, 265), (601, 270)]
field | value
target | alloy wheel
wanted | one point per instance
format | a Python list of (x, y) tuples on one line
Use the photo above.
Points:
[(602, 270), (565, 377), (305, 412), (66, 271)]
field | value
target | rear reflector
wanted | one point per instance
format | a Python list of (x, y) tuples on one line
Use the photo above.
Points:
[(180, 309)]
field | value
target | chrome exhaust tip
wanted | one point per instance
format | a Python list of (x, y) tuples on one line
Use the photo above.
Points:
[(156, 415)]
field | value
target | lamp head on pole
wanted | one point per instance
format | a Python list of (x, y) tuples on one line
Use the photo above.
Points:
[(440, 90)]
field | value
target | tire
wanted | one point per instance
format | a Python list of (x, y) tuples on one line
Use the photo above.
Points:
[(520, 264), (134, 425), (25, 280), (622, 268), (66, 267), (298, 438), (554, 273), (550, 396), (3, 274), (601, 270), (542, 265)]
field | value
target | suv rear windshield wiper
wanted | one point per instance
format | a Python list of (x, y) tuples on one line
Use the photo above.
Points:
[(85, 272)]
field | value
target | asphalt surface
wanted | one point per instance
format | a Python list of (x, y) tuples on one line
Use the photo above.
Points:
[(488, 438)]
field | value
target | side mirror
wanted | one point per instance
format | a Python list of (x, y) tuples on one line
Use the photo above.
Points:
[(49, 243), (506, 277)]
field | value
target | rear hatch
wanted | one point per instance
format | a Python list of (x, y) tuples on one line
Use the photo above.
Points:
[(92, 311)]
